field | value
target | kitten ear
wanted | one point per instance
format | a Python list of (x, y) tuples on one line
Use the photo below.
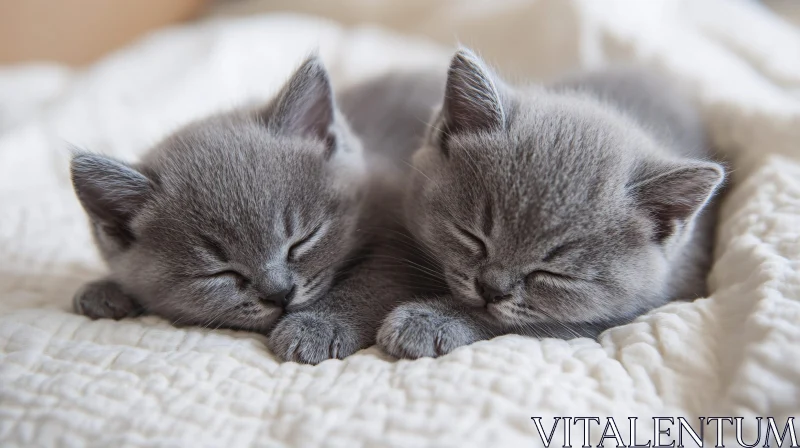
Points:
[(672, 197), (111, 192), (305, 106), (472, 100)]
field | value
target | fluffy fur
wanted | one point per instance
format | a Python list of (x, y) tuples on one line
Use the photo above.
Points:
[(554, 211), (389, 113), (231, 220), (266, 219)]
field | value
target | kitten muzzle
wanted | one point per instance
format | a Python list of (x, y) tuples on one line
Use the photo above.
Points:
[(281, 298)]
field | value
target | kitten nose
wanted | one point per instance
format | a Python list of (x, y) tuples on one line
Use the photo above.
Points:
[(281, 298), (492, 294)]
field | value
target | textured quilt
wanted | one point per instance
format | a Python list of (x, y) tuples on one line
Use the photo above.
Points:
[(68, 381)]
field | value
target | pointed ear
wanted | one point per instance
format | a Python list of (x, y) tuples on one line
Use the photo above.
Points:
[(672, 197), (111, 192), (472, 101), (305, 106)]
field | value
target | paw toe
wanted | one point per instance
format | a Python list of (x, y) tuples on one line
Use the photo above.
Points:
[(412, 334), (310, 340)]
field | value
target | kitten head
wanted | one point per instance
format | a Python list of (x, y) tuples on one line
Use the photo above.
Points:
[(544, 206), (234, 218)]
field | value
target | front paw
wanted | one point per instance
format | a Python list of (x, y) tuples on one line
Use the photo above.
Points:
[(310, 338), (415, 330), (104, 299)]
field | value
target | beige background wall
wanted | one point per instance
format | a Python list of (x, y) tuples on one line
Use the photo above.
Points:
[(79, 31)]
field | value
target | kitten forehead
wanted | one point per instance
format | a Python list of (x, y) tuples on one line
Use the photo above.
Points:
[(221, 143), (231, 176), (234, 159), (550, 160)]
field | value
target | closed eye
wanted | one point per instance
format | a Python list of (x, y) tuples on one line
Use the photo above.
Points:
[(542, 275), (241, 280), (301, 247), (471, 241)]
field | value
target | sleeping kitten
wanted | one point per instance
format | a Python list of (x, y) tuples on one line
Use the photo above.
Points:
[(231, 220), (555, 212), (264, 220)]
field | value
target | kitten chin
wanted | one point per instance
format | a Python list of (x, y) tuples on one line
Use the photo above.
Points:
[(583, 203)]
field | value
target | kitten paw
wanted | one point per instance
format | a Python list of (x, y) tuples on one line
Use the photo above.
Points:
[(310, 338), (413, 330), (104, 299)]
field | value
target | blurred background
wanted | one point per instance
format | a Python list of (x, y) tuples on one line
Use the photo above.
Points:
[(78, 32)]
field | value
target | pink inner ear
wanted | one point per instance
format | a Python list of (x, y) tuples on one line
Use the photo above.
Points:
[(675, 196)]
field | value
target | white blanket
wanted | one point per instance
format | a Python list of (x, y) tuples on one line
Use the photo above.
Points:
[(66, 380)]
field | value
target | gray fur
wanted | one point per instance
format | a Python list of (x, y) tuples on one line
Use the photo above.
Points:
[(555, 211), (104, 298), (219, 222), (236, 191), (389, 113)]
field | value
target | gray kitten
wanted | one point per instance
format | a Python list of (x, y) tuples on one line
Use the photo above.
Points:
[(557, 211), (231, 220), (262, 220)]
